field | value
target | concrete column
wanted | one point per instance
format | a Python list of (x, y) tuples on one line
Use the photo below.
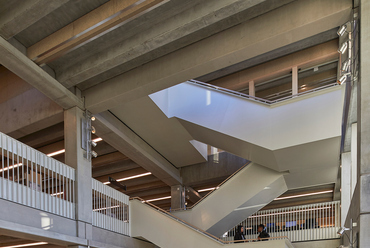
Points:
[(294, 80), (74, 157), (177, 197), (363, 127), (345, 192), (353, 171), (252, 90)]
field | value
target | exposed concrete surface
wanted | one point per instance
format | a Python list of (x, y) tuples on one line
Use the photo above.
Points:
[(318, 244), (15, 20), (190, 26), (215, 52), (23, 109), (18, 63), (115, 133)]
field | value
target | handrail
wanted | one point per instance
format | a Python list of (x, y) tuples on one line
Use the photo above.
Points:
[(261, 100), (198, 229), (217, 187)]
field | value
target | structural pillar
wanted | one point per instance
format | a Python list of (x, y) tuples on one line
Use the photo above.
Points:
[(294, 80), (345, 192), (74, 157), (252, 90), (363, 126), (177, 196)]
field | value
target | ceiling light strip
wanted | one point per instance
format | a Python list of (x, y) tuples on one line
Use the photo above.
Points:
[(302, 195), (159, 199), (100, 209), (132, 177), (25, 245), (11, 167)]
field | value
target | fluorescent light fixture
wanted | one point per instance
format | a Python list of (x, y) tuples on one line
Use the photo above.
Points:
[(56, 153), (159, 199), (204, 190), (343, 48), (343, 79), (97, 140), (342, 30), (100, 209), (288, 212), (132, 177), (25, 245), (302, 195), (11, 167), (59, 193)]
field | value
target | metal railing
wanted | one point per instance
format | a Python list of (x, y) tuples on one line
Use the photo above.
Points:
[(258, 99), (299, 223), (110, 208), (33, 179), (219, 240), (211, 192)]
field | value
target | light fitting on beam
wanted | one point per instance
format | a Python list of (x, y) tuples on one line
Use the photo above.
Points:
[(343, 79), (93, 131), (342, 30), (342, 230), (94, 154), (93, 143), (343, 48), (346, 65), (93, 118)]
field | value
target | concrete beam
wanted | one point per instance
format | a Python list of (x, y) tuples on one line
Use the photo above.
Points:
[(108, 159), (23, 109), (19, 64), (87, 28), (208, 171), (118, 135), (252, 38), (177, 31), (112, 168), (18, 15), (282, 66)]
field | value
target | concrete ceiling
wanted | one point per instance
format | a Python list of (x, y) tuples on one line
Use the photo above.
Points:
[(158, 47)]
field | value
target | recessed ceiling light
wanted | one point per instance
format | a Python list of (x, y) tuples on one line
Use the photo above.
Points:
[(132, 177)]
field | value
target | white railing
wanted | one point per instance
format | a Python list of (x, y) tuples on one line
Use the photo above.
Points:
[(110, 209), (258, 99), (299, 223), (31, 178)]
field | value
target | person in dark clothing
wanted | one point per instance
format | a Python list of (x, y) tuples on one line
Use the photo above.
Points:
[(239, 234), (263, 233)]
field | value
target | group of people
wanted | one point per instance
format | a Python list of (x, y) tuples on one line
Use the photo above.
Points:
[(263, 235)]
